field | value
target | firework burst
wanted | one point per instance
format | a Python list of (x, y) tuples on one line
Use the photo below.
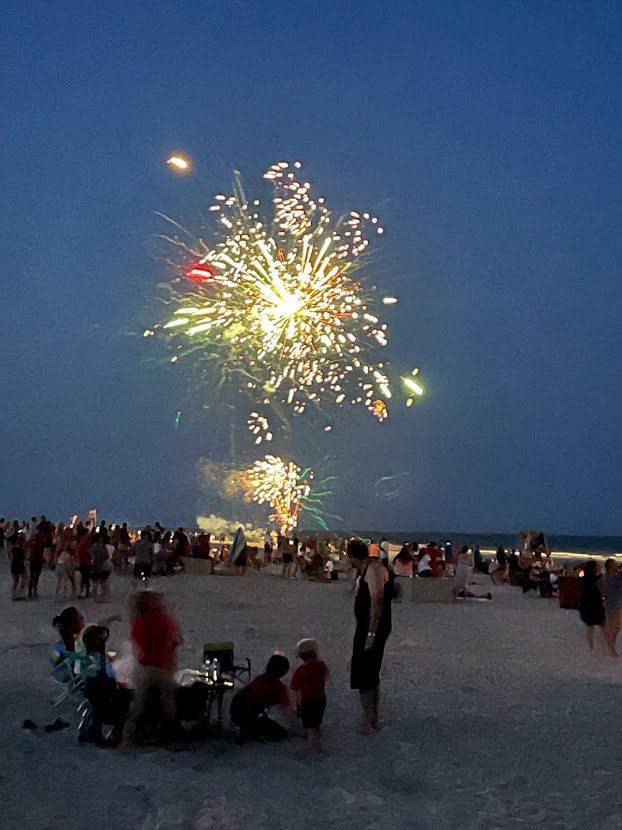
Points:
[(273, 302), (281, 484)]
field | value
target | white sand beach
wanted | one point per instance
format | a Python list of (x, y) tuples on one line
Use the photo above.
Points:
[(495, 717)]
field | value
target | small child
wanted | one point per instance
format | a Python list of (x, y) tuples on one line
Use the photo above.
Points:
[(309, 684), (249, 707)]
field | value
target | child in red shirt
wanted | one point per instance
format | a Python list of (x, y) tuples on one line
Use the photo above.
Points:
[(249, 707), (309, 684)]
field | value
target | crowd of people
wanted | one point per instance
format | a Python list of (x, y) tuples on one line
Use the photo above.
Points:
[(83, 558)]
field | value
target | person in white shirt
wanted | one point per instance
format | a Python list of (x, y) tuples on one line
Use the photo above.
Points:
[(424, 568)]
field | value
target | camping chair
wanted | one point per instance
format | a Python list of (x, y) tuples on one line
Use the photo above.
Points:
[(71, 673), (223, 652)]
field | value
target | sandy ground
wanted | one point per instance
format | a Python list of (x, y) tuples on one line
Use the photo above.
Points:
[(495, 717)]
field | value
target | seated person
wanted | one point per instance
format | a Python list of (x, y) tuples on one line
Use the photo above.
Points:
[(249, 707), (403, 562), (424, 568), (462, 576), (70, 624), (109, 702), (479, 563), (316, 569), (329, 569), (436, 559)]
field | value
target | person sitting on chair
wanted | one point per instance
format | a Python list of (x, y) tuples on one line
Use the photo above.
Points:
[(109, 702), (249, 707)]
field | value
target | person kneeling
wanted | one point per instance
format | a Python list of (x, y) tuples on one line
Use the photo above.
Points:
[(249, 707)]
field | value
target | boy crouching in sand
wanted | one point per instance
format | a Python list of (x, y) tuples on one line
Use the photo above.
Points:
[(309, 685), (249, 707)]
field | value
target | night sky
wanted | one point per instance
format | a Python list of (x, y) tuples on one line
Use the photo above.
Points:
[(485, 135)]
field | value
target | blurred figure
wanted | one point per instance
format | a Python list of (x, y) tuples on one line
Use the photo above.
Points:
[(18, 570), (591, 604), (155, 637), (35, 564)]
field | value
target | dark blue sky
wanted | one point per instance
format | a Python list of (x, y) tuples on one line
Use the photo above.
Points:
[(485, 134)]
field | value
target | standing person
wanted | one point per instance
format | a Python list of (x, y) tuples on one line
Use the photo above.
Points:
[(267, 547), (124, 545), (83, 554), (372, 611), (309, 685), (155, 637), (18, 570), (143, 553), (65, 574), (32, 529), (287, 556), (60, 541), (613, 604), (11, 535), (591, 605), (449, 552), (101, 568), (181, 548), (385, 549), (35, 565), (46, 529)]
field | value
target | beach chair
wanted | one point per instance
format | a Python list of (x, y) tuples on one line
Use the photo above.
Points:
[(71, 673), (224, 653)]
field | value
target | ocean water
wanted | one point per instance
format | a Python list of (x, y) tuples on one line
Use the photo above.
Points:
[(560, 544)]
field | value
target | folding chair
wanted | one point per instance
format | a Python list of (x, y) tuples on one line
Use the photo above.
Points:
[(224, 653), (71, 673)]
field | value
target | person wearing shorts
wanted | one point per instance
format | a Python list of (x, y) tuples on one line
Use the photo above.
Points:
[(309, 684)]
